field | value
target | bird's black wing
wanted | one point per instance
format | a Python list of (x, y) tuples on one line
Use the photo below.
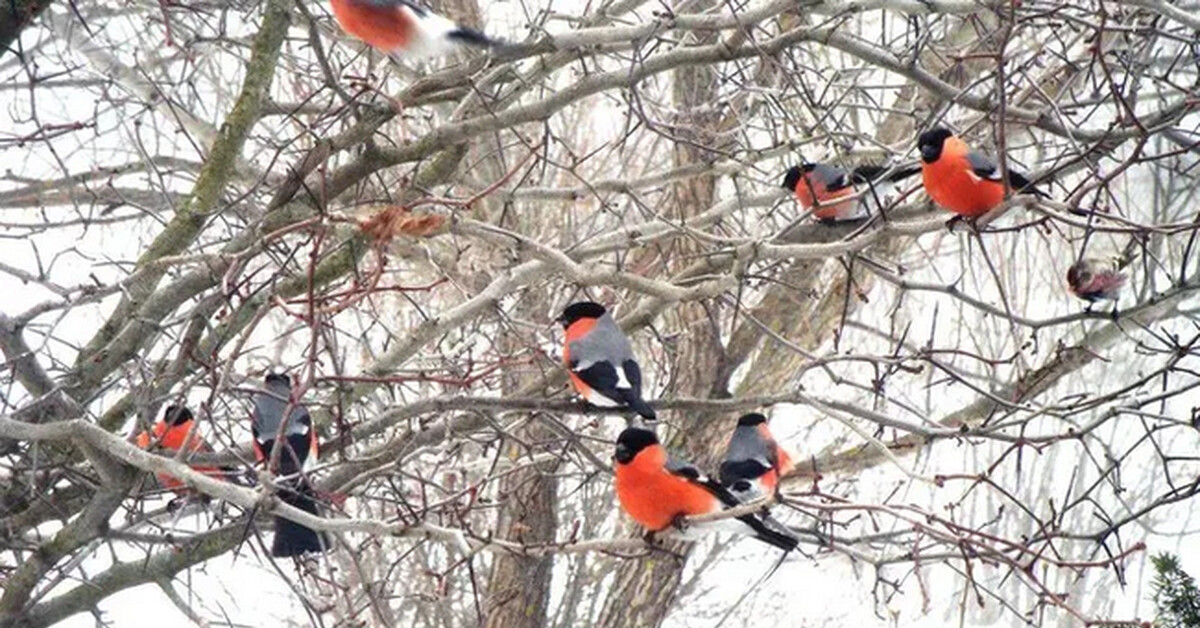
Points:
[(600, 376), (732, 471)]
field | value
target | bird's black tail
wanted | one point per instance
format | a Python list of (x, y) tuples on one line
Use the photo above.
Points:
[(472, 37), (234, 475), (868, 173), (639, 405), (1020, 183), (904, 172), (769, 531), (291, 538), (765, 528)]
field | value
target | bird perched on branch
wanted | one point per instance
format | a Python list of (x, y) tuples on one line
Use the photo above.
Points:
[(961, 180), (659, 492), (298, 446), (171, 432), (822, 188), (403, 28), (600, 360), (753, 462), (1093, 279)]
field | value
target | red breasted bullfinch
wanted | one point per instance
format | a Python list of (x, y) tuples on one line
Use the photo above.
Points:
[(169, 433), (1093, 279), (753, 462), (961, 180), (820, 186), (657, 492), (299, 447), (404, 28), (600, 361)]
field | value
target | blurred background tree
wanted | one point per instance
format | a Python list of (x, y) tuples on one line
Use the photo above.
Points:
[(196, 193)]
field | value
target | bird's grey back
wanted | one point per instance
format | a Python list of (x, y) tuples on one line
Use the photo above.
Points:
[(605, 342), (748, 443), (268, 413), (679, 466), (981, 163), (830, 176)]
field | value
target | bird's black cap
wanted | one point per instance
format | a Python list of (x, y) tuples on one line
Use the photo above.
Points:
[(582, 309), (752, 419), (279, 378), (930, 143), (176, 415), (632, 441)]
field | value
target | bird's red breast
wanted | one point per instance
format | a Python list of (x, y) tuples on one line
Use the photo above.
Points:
[(575, 331), (259, 454), (783, 462), (653, 496), (173, 437), (387, 28), (951, 182), (810, 190)]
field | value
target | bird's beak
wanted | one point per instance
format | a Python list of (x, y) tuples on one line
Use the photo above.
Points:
[(929, 153), (622, 454)]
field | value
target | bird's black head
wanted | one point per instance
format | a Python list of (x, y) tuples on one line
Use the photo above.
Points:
[(792, 177), (752, 419), (582, 309), (176, 415), (1078, 274), (279, 379), (795, 172), (930, 143), (632, 441)]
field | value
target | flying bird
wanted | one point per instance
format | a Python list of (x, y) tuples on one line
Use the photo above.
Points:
[(753, 462), (1093, 279), (600, 360), (299, 446), (171, 432), (658, 492), (828, 190), (403, 28), (961, 180)]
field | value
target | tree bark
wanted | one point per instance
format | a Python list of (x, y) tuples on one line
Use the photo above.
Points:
[(643, 588), (519, 588)]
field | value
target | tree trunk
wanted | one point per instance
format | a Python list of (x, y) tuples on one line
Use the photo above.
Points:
[(643, 588)]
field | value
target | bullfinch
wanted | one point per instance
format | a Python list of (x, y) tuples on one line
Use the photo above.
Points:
[(403, 28), (170, 432), (299, 446), (600, 360), (753, 462), (819, 187), (657, 492), (961, 180)]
